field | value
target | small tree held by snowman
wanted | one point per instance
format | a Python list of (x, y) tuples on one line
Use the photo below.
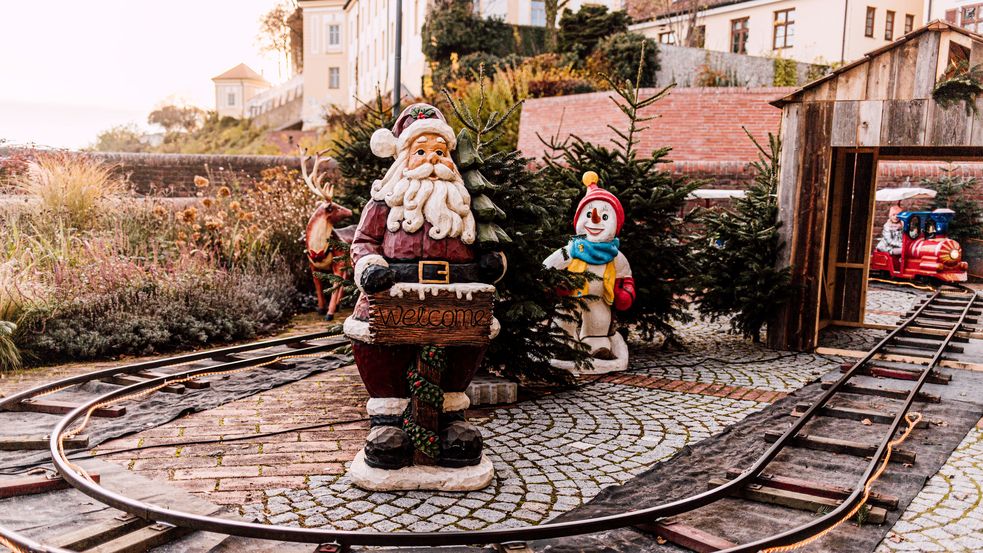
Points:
[(595, 250)]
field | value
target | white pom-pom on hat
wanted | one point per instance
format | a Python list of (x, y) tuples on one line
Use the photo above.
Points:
[(383, 143)]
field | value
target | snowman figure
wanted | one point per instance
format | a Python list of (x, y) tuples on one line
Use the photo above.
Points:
[(594, 249)]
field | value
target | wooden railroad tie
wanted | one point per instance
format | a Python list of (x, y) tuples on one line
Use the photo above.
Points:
[(130, 380), (858, 389), (55, 407), (686, 536), (98, 533), (143, 539), (887, 501), (906, 342), (898, 373), (35, 484), (836, 445), (937, 335), (190, 384), (877, 417), (899, 358), (39, 443), (795, 500)]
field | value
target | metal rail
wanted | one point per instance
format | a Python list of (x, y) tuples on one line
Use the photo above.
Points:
[(545, 531), (7, 403)]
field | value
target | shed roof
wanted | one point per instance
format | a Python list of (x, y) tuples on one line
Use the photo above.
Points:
[(241, 72), (934, 26)]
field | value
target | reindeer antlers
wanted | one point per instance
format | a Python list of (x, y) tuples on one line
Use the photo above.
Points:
[(314, 180)]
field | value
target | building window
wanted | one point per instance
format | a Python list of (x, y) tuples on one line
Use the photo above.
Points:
[(537, 13), (909, 23), (334, 77), (889, 25), (972, 16), (738, 35), (869, 24), (230, 100), (667, 37), (784, 32), (334, 35)]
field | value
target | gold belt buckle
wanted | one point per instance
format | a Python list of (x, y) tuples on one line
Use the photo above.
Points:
[(444, 271)]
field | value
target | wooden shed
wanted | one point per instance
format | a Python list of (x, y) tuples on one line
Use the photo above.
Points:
[(834, 132)]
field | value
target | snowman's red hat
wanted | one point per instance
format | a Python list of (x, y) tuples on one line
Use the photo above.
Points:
[(594, 192)]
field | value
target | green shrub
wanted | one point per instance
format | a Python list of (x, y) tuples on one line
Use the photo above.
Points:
[(618, 55), (183, 308), (581, 31), (786, 72)]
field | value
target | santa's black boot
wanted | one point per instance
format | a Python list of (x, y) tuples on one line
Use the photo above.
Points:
[(388, 447), (460, 445)]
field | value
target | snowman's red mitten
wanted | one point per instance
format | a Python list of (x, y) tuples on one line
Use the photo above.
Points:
[(624, 293)]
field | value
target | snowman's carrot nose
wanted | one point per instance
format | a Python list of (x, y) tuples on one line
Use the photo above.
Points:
[(594, 216)]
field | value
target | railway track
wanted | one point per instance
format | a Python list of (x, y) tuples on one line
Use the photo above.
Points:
[(932, 330)]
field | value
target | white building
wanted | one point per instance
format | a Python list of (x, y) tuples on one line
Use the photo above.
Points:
[(349, 47), (965, 13), (235, 88), (811, 31)]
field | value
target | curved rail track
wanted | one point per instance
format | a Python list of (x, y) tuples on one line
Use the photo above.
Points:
[(932, 327)]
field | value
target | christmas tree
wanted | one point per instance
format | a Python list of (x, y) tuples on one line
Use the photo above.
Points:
[(653, 234), (515, 210), (737, 273), (956, 193)]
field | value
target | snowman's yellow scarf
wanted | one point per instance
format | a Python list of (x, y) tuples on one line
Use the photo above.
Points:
[(583, 251)]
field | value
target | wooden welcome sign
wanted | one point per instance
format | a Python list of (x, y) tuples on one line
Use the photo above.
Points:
[(432, 314)]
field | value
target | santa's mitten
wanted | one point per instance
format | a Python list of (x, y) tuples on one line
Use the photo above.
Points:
[(624, 293), (377, 278), (491, 267)]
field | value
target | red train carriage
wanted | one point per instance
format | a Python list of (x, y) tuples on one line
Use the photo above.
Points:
[(925, 250)]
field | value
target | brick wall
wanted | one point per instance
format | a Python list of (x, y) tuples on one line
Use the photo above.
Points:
[(701, 124), (173, 174)]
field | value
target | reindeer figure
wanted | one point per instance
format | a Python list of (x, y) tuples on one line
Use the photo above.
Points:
[(319, 233)]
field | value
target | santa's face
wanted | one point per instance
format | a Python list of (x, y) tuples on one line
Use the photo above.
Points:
[(598, 221), (429, 148)]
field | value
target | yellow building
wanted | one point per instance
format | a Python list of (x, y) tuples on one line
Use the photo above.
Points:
[(811, 31), (234, 89)]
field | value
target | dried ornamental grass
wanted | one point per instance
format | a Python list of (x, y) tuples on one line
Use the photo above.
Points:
[(9, 354), (70, 186)]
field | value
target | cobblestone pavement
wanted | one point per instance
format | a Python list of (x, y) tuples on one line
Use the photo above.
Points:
[(551, 453), (886, 303), (947, 515)]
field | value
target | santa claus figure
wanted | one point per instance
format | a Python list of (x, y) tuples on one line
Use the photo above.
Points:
[(594, 250), (417, 228)]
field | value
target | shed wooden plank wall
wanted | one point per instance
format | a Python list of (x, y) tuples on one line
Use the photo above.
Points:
[(883, 101)]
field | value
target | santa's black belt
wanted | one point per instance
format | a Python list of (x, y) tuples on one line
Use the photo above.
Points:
[(435, 272)]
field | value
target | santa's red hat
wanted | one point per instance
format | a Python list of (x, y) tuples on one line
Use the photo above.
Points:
[(415, 120), (594, 192)]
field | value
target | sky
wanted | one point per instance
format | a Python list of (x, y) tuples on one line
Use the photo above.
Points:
[(70, 69)]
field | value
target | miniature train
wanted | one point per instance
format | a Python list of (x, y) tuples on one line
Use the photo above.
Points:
[(926, 251)]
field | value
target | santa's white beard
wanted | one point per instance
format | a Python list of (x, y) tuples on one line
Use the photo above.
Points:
[(414, 197)]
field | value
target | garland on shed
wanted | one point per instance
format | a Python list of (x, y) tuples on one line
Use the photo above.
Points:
[(962, 84)]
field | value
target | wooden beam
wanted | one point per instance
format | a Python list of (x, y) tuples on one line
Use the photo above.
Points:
[(686, 536), (796, 500), (836, 445), (94, 534), (888, 501), (878, 417), (859, 390), (855, 354), (55, 407), (898, 373), (34, 485), (141, 540), (39, 443)]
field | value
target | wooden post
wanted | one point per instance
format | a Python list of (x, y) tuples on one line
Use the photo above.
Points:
[(425, 414)]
